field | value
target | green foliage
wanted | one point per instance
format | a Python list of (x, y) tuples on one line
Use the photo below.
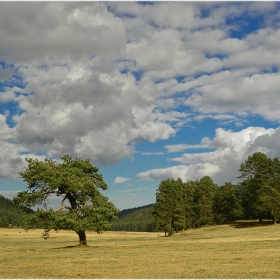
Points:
[(260, 187), (135, 219), (269, 201), (188, 195), (169, 209), (227, 203), (203, 201), (78, 184), (171, 231), (195, 203), (10, 215), (6, 203)]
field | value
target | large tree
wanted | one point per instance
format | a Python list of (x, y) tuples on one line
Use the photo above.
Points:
[(189, 191), (260, 185), (169, 209), (204, 201), (78, 183), (227, 203)]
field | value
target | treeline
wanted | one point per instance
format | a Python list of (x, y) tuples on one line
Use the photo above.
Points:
[(182, 205), (192, 204), (135, 219), (10, 215)]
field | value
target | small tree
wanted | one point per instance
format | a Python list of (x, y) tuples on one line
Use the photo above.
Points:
[(77, 182)]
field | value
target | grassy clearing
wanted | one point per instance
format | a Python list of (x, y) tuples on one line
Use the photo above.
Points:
[(227, 251)]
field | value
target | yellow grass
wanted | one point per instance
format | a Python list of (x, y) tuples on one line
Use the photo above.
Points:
[(223, 251)]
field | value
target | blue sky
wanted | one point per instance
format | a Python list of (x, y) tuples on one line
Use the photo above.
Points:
[(147, 92)]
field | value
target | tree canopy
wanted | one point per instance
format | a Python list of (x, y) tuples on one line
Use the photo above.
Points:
[(169, 209), (260, 186), (196, 203), (78, 183), (179, 205)]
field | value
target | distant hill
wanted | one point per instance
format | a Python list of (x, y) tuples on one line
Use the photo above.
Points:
[(135, 219), (10, 215)]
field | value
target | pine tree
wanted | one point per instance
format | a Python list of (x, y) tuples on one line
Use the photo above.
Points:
[(203, 201), (269, 192), (257, 177), (75, 181), (189, 191), (169, 211), (227, 203)]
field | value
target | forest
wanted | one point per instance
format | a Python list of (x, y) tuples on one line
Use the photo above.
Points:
[(181, 205), (198, 203), (10, 215)]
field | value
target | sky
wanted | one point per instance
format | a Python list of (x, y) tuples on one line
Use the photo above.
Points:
[(146, 90)]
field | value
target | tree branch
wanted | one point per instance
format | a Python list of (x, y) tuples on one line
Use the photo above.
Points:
[(62, 206)]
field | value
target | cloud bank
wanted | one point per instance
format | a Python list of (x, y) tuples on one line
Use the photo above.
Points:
[(94, 79)]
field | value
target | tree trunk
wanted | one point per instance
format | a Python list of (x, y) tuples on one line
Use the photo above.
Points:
[(82, 238), (274, 219)]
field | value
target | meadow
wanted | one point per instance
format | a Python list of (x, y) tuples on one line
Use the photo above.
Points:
[(239, 250)]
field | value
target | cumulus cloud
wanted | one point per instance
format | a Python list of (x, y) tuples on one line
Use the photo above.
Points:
[(94, 79), (120, 180), (78, 109), (231, 148), (58, 30), (5, 73)]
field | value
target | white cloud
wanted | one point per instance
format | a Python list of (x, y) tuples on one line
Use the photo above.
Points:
[(120, 180), (58, 30), (181, 147), (129, 200), (235, 92), (76, 92), (192, 172), (152, 153), (5, 73), (231, 148), (80, 110)]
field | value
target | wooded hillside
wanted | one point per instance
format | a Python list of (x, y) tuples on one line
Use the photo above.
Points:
[(135, 219), (10, 216)]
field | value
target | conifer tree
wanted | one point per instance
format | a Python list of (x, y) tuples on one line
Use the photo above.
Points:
[(203, 201), (189, 191), (169, 212), (269, 192), (257, 178), (227, 203)]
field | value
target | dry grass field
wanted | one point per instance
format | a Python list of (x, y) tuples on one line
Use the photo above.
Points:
[(226, 251)]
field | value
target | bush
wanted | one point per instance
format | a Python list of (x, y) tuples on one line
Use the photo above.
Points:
[(170, 231)]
